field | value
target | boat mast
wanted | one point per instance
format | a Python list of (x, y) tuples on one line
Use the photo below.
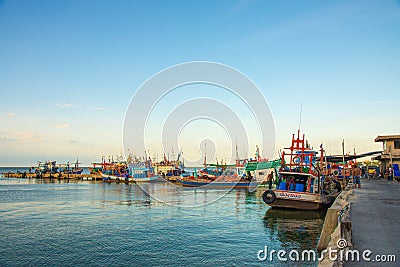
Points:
[(343, 157), (172, 153), (237, 153), (205, 154)]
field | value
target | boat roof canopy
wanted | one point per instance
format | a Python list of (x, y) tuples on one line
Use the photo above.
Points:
[(259, 165), (298, 173), (339, 158)]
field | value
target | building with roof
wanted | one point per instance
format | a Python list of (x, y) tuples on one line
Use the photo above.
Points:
[(391, 150)]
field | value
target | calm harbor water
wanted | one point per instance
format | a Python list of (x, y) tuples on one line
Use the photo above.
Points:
[(100, 224)]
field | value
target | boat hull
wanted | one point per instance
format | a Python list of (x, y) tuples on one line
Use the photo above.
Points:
[(215, 184), (298, 200), (172, 178), (146, 179), (297, 205), (110, 178)]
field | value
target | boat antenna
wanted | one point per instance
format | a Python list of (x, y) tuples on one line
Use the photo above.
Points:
[(301, 111)]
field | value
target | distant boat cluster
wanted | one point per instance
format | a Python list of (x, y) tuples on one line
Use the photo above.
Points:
[(302, 178)]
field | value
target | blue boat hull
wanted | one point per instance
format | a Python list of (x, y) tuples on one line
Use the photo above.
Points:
[(216, 184)]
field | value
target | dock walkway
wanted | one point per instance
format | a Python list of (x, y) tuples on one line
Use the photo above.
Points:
[(375, 216)]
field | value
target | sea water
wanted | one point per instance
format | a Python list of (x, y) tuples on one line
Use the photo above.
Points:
[(77, 223)]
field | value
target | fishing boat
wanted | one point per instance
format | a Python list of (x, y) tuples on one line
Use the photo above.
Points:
[(141, 171), (114, 171), (170, 170), (75, 169), (226, 176), (212, 171), (235, 176), (110, 176), (299, 179), (260, 170), (96, 168), (220, 182), (47, 167), (221, 176)]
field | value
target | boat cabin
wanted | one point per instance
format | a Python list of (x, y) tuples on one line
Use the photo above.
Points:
[(299, 171)]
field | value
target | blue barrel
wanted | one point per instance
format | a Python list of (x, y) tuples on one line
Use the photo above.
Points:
[(291, 187), (282, 186), (300, 187)]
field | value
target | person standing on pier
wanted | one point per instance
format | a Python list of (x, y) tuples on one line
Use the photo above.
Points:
[(269, 179), (390, 177), (356, 172)]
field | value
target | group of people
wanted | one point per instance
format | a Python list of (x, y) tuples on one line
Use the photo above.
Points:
[(356, 174)]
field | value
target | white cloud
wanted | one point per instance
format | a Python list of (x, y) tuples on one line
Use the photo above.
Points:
[(22, 137), (65, 125), (100, 108), (65, 105), (10, 114)]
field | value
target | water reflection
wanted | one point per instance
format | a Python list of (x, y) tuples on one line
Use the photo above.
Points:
[(294, 229), (229, 232), (125, 194)]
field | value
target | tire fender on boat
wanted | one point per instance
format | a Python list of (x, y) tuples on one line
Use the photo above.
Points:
[(269, 196), (296, 160)]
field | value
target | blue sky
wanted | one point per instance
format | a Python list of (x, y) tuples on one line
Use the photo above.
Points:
[(69, 68)]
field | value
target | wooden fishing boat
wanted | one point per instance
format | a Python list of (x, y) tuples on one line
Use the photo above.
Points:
[(114, 171), (135, 172), (142, 172), (218, 183), (96, 168), (51, 167), (237, 175), (47, 167), (110, 177), (232, 177), (299, 180), (169, 170), (74, 170)]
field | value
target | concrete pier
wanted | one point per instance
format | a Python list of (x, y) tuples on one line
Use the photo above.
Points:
[(331, 223), (371, 223), (375, 216)]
